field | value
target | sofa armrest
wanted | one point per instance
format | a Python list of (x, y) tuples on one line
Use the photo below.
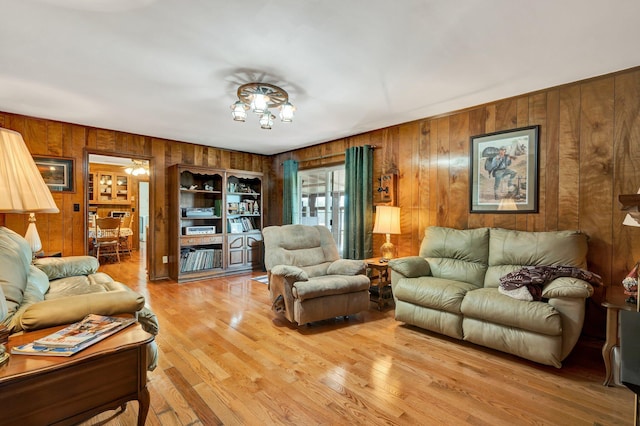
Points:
[(70, 309), (410, 266), (567, 287), (288, 271), (347, 267), (61, 267)]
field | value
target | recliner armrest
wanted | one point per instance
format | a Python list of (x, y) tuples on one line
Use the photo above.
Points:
[(70, 309), (347, 267), (70, 266), (567, 287), (288, 271), (411, 266)]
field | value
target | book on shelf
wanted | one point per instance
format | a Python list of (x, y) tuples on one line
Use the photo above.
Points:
[(75, 337), (200, 259)]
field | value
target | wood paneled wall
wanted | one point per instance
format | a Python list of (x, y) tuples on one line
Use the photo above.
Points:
[(65, 231), (589, 154)]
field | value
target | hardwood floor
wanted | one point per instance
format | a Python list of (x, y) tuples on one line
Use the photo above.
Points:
[(225, 358)]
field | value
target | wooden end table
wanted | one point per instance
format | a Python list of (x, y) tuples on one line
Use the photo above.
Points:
[(38, 390), (380, 289), (614, 302)]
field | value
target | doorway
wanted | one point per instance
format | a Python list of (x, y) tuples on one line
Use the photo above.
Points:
[(119, 187)]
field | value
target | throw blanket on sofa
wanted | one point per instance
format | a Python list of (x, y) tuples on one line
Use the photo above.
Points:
[(532, 278)]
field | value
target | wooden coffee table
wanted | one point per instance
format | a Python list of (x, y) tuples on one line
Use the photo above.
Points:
[(38, 390)]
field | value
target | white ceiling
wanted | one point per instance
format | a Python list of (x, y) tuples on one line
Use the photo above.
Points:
[(170, 68)]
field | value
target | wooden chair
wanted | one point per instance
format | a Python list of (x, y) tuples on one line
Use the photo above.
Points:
[(107, 237), (125, 246)]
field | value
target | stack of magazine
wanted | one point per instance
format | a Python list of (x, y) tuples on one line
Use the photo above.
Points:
[(76, 337)]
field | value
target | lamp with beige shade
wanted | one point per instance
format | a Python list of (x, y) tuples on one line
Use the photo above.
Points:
[(22, 187), (387, 222)]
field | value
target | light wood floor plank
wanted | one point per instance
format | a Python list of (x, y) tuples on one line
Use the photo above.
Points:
[(226, 358)]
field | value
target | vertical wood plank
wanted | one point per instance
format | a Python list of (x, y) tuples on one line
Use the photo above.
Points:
[(459, 171), (596, 171), (477, 123), (626, 179), (569, 158), (552, 162)]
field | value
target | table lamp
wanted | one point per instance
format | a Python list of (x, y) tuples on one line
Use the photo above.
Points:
[(22, 187), (387, 222)]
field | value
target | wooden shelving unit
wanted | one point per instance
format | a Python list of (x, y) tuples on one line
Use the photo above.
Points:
[(203, 242)]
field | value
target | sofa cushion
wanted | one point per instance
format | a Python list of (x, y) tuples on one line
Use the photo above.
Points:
[(38, 279), (489, 305), (510, 250), (69, 266), (347, 267), (14, 268), (459, 255), (4, 310), (431, 292), (329, 285), (298, 245), (410, 266)]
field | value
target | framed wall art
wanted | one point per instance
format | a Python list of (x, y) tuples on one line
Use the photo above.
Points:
[(504, 171), (57, 172)]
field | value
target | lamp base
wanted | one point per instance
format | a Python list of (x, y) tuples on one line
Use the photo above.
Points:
[(32, 236), (387, 250)]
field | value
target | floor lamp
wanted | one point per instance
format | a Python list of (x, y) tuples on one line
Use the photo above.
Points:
[(22, 187)]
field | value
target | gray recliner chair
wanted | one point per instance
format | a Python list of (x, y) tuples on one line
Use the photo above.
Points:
[(308, 281)]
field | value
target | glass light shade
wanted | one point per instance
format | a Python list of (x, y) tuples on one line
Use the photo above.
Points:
[(259, 103), (286, 112), (266, 120), (239, 111)]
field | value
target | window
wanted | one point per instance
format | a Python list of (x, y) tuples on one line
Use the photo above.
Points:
[(321, 195)]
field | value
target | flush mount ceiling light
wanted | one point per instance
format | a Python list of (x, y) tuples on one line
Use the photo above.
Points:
[(259, 97)]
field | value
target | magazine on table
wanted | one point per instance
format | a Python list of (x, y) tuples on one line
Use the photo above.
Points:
[(75, 337)]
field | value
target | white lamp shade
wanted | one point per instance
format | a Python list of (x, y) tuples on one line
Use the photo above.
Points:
[(629, 220), (633, 216), (387, 220), (22, 187)]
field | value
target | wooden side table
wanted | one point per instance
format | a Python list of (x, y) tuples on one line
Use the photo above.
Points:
[(38, 390), (380, 290), (614, 302)]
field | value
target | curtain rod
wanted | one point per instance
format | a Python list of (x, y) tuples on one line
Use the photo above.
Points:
[(322, 157)]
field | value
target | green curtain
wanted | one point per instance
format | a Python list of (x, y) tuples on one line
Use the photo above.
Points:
[(358, 203), (290, 200)]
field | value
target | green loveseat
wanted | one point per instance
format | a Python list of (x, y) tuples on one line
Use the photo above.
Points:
[(54, 291), (452, 288)]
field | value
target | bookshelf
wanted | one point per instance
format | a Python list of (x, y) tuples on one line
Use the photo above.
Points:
[(215, 221), (244, 219)]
